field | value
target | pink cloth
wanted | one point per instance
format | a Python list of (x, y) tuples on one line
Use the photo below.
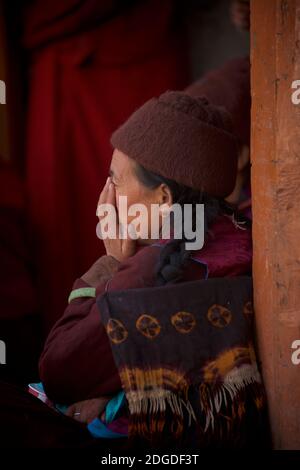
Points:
[(229, 255)]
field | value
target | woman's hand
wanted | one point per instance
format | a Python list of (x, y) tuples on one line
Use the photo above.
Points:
[(120, 249), (86, 411)]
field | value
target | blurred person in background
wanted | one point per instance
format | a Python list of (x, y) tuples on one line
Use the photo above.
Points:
[(90, 64), (240, 14), (229, 86)]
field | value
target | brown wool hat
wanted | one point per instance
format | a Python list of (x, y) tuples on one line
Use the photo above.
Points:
[(184, 139)]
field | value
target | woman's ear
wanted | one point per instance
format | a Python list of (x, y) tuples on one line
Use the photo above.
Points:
[(165, 195)]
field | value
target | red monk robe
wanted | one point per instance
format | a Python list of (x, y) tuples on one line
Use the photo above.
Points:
[(19, 319), (91, 66)]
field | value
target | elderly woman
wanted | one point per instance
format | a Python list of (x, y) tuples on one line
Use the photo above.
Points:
[(174, 149)]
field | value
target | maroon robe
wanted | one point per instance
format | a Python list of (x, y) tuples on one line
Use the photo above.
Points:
[(77, 361)]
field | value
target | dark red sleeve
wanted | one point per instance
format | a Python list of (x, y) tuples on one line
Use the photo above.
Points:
[(77, 361)]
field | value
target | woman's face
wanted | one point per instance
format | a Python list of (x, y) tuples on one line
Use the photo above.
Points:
[(126, 183)]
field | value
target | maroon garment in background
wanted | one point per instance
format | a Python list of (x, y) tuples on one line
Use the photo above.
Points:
[(89, 70), (19, 316), (17, 294)]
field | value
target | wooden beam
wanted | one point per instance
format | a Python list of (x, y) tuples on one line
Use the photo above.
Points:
[(275, 155)]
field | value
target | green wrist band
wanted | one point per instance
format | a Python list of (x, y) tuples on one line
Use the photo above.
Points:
[(82, 292)]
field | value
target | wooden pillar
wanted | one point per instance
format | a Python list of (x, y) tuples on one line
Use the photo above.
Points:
[(275, 154)]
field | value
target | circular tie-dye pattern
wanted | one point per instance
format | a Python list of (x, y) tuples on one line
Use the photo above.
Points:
[(183, 322), (148, 325), (116, 331), (219, 316)]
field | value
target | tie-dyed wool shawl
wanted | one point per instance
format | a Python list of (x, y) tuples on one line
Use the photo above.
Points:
[(186, 359)]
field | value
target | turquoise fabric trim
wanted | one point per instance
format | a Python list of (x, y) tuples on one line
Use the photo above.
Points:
[(98, 430), (38, 386), (82, 292), (62, 408), (113, 406)]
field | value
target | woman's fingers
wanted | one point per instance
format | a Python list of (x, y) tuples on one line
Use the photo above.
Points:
[(71, 411), (111, 199), (111, 194), (74, 411), (104, 192), (121, 246), (107, 204), (87, 410)]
